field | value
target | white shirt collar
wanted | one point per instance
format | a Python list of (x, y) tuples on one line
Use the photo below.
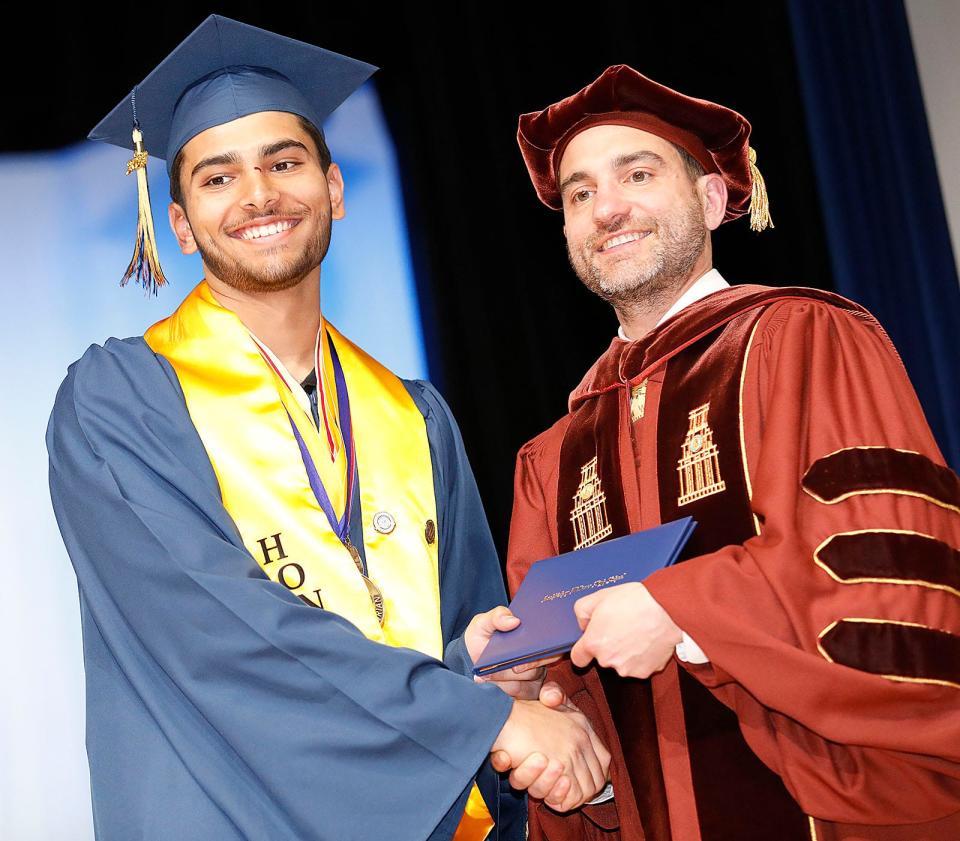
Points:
[(705, 285)]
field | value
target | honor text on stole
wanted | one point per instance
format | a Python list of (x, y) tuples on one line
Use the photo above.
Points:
[(291, 575)]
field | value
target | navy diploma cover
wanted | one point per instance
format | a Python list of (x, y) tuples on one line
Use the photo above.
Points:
[(544, 601)]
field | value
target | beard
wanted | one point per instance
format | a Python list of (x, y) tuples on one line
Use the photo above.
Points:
[(677, 240), (277, 269)]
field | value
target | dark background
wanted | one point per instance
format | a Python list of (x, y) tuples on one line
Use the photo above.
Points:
[(510, 330)]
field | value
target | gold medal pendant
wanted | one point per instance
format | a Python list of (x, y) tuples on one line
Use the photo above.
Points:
[(376, 597)]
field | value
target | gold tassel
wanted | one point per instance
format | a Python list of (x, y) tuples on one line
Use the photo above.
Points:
[(760, 218), (145, 263)]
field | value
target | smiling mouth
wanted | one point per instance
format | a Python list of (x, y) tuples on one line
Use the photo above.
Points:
[(270, 229), (622, 239)]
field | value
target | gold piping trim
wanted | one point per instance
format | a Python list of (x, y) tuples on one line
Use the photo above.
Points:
[(900, 491), (870, 447), (743, 445), (870, 580), (813, 829), (898, 678), (929, 680)]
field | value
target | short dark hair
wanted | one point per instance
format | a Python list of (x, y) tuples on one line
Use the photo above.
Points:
[(693, 167), (176, 188)]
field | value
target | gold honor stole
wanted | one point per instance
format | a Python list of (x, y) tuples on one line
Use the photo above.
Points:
[(242, 410)]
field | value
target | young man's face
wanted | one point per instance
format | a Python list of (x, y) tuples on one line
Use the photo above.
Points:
[(258, 206), (634, 221)]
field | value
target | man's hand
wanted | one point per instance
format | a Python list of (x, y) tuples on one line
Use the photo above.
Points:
[(624, 629), (551, 695), (521, 681), (554, 753)]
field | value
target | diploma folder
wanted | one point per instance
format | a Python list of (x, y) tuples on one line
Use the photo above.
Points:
[(544, 602)]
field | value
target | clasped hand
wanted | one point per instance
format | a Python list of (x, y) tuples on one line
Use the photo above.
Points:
[(550, 750), (550, 747)]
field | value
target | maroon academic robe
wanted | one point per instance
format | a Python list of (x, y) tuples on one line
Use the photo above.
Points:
[(822, 582)]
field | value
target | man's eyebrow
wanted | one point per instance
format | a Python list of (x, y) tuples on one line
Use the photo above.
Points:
[(645, 156), (572, 178), (233, 158), (224, 159), (280, 145)]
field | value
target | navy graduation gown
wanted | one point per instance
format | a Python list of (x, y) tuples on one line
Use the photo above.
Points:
[(219, 706)]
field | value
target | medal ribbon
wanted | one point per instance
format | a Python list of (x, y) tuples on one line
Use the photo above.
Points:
[(341, 524)]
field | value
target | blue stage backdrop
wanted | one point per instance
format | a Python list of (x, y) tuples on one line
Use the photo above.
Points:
[(888, 234), (67, 234)]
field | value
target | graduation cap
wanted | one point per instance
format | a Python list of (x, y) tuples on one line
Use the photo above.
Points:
[(222, 71), (715, 136)]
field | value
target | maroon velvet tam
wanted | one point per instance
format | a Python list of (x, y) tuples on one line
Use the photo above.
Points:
[(715, 136)]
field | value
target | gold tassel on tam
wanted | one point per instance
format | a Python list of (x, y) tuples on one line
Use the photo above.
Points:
[(760, 218), (145, 263)]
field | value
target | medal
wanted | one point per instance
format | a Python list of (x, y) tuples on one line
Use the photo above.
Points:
[(376, 597), (341, 525)]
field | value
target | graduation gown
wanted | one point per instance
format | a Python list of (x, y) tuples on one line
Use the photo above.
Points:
[(823, 581), (219, 706)]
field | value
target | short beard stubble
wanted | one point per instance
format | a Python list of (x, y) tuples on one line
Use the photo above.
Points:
[(680, 239), (273, 278)]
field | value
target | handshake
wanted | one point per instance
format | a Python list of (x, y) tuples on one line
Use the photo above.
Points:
[(546, 743)]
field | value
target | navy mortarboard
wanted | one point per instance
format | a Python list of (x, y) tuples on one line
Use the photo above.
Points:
[(222, 71)]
